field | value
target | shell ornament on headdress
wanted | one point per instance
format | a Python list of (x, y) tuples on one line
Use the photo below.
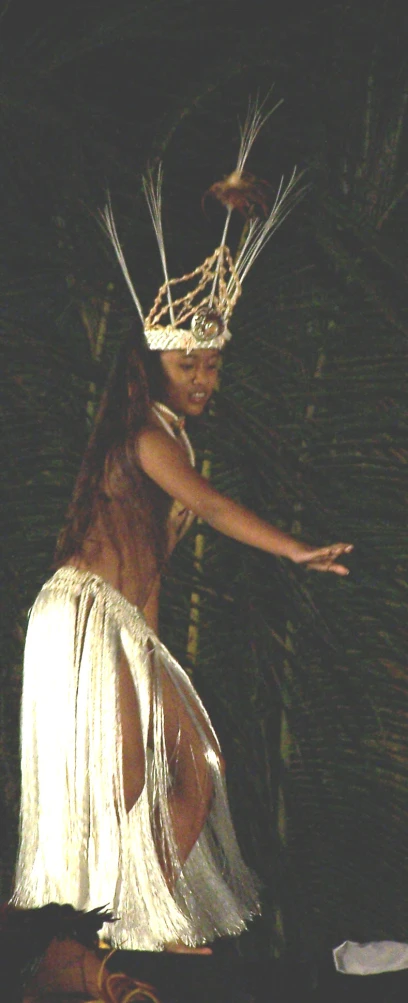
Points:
[(193, 311)]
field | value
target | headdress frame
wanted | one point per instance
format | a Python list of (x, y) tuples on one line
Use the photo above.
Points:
[(193, 311)]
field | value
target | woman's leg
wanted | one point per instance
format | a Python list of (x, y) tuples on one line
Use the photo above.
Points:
[(192, 787), (191, 791), (133, 754)]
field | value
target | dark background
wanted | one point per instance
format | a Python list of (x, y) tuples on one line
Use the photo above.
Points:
[(305, 677)]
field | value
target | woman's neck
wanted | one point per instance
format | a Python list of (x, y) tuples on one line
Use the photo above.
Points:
[(174, 425), (166, 411)]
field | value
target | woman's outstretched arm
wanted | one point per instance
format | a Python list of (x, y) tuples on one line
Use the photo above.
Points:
[(164, 460)]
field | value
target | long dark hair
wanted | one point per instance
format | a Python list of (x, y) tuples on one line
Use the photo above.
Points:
[(135, 380)]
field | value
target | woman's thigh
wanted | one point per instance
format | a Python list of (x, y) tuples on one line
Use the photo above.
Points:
[(187, 736), (133, 753), (187, 733)]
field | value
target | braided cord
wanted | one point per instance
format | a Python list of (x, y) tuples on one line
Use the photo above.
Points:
[(225, 300), (116, 987)]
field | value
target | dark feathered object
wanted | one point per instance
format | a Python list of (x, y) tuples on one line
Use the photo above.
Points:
[(241, 191)]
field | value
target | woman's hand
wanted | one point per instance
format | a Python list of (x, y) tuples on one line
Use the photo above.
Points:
[(324, 558)]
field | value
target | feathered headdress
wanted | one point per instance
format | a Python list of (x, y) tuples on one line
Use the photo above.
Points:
[(193, 311)]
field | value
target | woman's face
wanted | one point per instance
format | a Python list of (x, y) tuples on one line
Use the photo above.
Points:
[(189, 380)]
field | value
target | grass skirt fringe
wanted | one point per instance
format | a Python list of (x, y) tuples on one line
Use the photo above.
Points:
[(78, 845)]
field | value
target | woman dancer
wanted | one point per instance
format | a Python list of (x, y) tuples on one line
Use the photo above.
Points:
[(123, 794)]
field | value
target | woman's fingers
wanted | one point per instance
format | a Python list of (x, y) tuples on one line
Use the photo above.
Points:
[(338, 569), (325, 558)]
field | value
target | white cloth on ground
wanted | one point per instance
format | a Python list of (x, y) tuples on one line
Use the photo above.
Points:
[(373, 958)]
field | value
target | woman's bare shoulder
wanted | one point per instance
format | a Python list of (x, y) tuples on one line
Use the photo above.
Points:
[(152, 437)]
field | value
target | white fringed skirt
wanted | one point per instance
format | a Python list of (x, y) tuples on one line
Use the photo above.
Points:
[(78, 844)]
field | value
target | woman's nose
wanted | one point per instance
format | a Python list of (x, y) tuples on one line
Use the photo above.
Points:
[(200, 377)]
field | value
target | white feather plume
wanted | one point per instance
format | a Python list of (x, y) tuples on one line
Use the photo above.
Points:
[(254, 122), (152, 188), (259, 231), (251, 128), (108, 223)]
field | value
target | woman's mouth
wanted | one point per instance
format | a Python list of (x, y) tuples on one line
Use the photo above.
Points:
[(198, 397)]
